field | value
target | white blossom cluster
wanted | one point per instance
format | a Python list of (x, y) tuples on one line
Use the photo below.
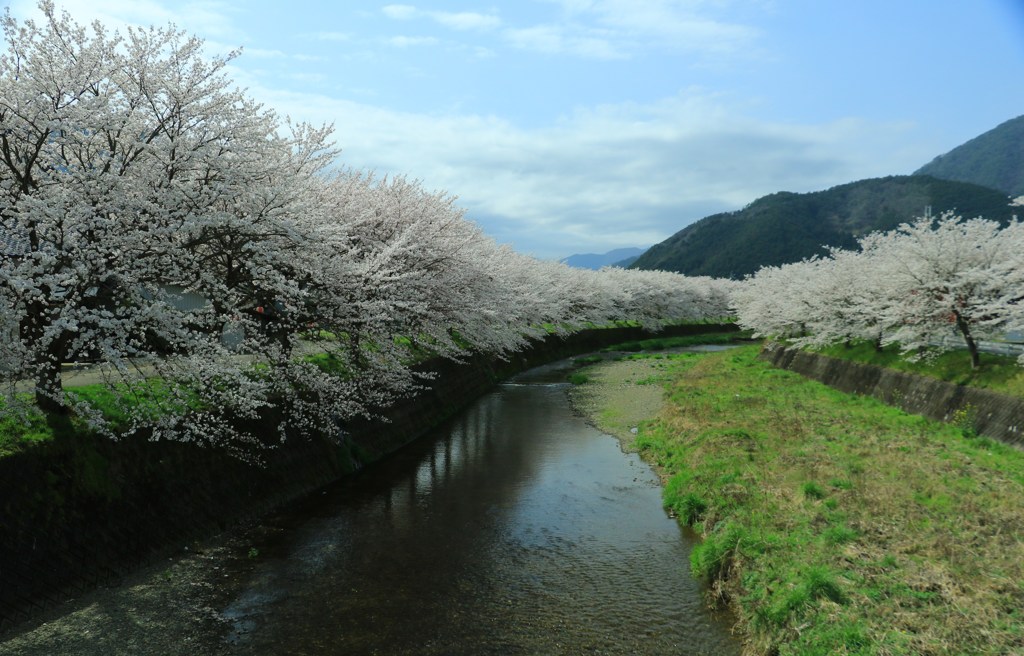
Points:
[(134, 178), (915, 286)]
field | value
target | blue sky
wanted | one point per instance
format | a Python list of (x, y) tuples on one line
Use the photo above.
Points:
[(571, 126)]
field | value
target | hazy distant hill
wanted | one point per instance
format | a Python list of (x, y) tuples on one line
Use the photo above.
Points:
[(994, 159), (596, 261), (624, 264), (787, 227)]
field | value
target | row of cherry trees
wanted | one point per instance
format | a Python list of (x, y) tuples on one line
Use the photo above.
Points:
[(134, 176), (915, 286)]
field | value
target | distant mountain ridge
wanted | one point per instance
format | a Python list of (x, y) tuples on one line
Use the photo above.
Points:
[(787, 227), (993, 159), (618, 257)]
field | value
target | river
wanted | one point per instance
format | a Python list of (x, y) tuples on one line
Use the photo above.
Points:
[(515, 529)]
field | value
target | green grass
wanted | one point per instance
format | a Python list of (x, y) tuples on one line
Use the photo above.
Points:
[(662, 343), (834, 524), (328, 363), (151, 398), (22, 427), (999, 373)]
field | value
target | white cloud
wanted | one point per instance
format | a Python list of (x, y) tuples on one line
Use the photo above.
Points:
[(211, 18), (466, 20), (598, 178), (460, 20), (627, 174), (481, 52), (333, 36), (627, 27), (265, 53), (309, 78), (555, 39), (399, 12), (410, 41)]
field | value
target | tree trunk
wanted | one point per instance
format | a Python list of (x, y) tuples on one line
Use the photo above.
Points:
[(972, 346), (49, 389), (47, 358)]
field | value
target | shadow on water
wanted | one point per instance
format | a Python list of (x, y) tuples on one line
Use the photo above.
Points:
[(515, 529)]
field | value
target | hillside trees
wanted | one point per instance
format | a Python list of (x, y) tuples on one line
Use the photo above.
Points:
[(913, 286), (992, 159), (785, 227)]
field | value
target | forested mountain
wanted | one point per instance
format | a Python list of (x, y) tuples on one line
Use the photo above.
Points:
[(595, 261), (787, 227), (994, 159)]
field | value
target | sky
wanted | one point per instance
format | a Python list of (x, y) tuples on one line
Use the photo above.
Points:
[(580, 126)]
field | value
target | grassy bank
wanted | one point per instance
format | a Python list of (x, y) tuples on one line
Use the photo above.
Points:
[(22, 425), (664, 343), (998, 373), (834, 524)]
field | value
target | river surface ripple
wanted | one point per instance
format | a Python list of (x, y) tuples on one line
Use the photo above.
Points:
[(515, 529)]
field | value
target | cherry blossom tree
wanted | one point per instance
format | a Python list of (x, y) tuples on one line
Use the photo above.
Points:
[(128, 164), (387, 267), (157, 221), (409, 265), (914, 286), (836, 296), (944, 275), (778, 301), (1003, 310), (655, 298)]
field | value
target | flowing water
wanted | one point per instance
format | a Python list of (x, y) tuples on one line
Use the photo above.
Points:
[(515, 529)]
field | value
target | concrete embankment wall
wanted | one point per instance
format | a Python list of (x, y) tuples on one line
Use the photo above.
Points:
[(82, 511), (990, 414)]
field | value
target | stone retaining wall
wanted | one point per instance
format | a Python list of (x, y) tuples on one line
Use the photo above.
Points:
[(990, 414)]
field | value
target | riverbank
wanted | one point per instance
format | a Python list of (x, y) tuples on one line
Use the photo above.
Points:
[(84, 511), (296, 567), (832, 523), (997, 413), (168, 608)]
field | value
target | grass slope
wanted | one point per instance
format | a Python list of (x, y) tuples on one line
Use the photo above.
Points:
[(998, 373), (835, 524)]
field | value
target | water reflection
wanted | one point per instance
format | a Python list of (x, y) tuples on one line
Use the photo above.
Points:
[(518, 529)]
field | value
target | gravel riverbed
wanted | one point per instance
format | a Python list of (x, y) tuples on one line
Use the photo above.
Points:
[(621, 394)]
